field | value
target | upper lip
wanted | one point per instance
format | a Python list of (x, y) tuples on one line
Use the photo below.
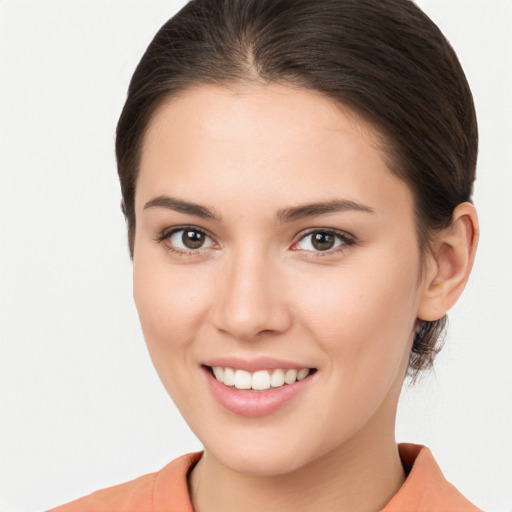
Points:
[(254, 365)]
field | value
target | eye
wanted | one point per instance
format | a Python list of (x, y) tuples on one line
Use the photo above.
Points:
[(323, 240), (186, 239)]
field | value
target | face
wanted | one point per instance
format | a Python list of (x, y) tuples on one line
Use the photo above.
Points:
[(273, 242)]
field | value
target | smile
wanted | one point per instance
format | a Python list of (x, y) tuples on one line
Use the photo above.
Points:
[(261, 380), (256, 391)]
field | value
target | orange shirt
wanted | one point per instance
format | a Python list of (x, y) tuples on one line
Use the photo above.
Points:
[(425, 489)]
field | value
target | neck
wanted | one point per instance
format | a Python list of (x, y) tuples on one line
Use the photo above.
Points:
[(360, 476)]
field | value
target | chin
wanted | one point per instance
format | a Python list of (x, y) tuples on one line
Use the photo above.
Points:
[(264, 453), (260, 461)]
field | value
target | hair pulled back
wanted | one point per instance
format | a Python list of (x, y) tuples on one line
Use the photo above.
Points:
[(385, 59)]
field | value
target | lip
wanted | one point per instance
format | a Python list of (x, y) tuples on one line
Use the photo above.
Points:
[(253, 404), (254, 365)]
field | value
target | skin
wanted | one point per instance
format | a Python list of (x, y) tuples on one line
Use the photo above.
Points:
[(259, 288)]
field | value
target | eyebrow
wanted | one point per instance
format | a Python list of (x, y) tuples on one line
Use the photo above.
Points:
[(290, 214), (181, 206), (321, 208)]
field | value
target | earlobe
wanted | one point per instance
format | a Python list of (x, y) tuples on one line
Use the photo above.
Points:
[(451, 263)]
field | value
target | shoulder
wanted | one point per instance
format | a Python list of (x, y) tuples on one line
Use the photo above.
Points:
[(426, 489), (155, 491)]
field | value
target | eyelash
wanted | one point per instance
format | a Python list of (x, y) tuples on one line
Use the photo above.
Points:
[(346, 241), (168, 233)]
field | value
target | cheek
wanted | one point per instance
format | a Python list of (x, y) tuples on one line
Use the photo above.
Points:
[(362, 314), (171, 302), (362, 320)]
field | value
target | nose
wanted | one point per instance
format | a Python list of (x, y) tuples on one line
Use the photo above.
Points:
[(252, 301)]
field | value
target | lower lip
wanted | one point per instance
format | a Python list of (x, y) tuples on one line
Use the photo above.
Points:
[(253, 404)]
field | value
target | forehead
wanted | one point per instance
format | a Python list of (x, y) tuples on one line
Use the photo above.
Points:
[(271, 143), (215, 111)]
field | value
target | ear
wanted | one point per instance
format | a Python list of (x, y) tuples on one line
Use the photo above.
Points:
[(450, 264)]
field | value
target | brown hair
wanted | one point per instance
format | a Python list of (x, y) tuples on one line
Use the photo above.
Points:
[(385, 59)]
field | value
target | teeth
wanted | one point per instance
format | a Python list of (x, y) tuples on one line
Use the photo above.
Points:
[(229, 376), (302, 374), (260, 380), (243, 380), (277, 379), (290, 376), (219, 373)]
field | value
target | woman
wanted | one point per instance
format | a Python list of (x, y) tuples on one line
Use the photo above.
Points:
[(297, 181)]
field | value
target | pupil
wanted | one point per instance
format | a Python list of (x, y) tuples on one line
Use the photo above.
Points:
[(192, 239), (323, 241)]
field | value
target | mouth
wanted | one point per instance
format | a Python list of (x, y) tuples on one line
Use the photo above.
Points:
[(257, 387), (258, 381)]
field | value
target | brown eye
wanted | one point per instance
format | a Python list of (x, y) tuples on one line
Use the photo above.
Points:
[(323, 241), (192, 239), (189, 239)]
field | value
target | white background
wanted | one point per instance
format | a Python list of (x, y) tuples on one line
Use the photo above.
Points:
[(81, 406)]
